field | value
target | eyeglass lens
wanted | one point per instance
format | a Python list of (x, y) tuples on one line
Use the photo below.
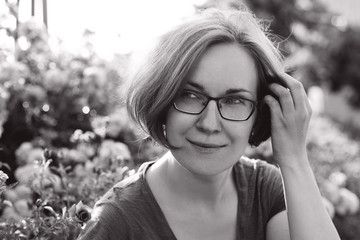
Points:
[(232, 107)]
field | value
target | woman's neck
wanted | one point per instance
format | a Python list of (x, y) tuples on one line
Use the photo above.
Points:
[(181, 185)]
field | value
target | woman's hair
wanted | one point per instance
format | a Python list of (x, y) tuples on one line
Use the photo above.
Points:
[(157, 81)]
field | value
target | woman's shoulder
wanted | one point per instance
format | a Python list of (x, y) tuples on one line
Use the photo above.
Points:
[(120, 206), (260, 184), (256, 170), (128, 188), (252, 164)]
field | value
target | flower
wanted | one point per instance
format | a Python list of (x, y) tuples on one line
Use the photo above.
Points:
[(330, 191), (34, 95), (344, 201), (338, 178), (329, 207), (38, 177), (22, 207), (84, 170), (11, 215), (94, 77), (116, 123), (47, 180), (348, 202), (3, 178), (24, 173), (20, 191), (33, 30), (87, 149), (22, 153), (13, 74), (99, 125), (72, 156), (55, 80), (80, 213), (112, 153), (35, 155)]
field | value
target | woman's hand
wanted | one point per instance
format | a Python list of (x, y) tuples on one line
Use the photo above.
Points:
[(290, 117)]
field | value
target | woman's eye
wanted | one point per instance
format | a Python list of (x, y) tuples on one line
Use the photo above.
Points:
[(234, 100), (190, 95)]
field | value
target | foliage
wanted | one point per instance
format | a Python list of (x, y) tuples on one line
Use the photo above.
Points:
[(41, 77), (282, 16), (65, 140), (335, 159), (47, 93), (57, 188), (319, 43), (335, 61)]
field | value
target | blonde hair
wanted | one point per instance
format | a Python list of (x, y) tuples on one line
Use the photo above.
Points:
[(163, 72)]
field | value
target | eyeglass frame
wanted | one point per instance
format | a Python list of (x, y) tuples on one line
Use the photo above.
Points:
[(217, 100)]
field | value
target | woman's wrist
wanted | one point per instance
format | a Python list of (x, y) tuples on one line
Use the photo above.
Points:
[(299, 163)]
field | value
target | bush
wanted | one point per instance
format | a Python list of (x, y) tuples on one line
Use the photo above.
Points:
[(57, 189), (64, 136)]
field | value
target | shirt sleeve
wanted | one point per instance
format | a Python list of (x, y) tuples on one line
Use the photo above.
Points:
[(273, 188)]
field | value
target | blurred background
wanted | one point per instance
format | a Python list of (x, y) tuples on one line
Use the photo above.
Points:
[(65, 137)]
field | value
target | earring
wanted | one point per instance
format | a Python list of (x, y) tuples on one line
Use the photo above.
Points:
[(252, 139), (164, 130)]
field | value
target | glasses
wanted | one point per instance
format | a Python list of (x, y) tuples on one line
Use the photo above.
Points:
[(234, 108)]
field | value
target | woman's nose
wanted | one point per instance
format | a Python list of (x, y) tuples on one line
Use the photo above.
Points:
[(209, 119)]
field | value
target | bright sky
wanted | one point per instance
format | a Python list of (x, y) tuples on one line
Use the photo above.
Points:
[(134, 20)]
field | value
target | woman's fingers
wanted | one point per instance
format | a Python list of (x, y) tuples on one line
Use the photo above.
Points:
[(275, 109), (301, 101), (284, 97), (297, 91), (291, 96)]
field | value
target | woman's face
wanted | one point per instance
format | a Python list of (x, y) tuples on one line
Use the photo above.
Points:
[(207, 144)]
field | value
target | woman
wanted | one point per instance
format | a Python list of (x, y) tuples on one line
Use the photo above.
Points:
[(211, 87)]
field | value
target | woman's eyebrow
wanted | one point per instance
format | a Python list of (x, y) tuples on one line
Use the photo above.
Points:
[(237, 90), (195, 85), (229, 91)]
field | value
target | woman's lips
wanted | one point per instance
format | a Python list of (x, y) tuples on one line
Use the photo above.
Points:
[(206, 145)]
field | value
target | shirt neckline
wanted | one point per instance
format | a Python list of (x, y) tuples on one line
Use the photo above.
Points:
[(151, 200)]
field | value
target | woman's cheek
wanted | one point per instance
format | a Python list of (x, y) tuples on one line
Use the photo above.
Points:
[(177, 126)]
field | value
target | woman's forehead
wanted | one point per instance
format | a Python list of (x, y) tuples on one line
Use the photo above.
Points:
[(224, 68)]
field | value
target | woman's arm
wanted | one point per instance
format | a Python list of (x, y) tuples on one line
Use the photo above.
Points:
[(290, 116), (305, 206)]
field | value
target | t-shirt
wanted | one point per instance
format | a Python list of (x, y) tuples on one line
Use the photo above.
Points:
[(129, 211)]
